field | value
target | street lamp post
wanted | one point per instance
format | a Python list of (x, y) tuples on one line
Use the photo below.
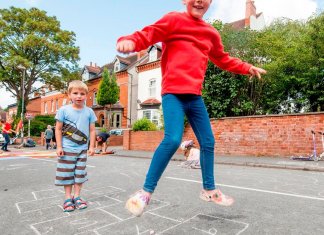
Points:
[(23, 69)]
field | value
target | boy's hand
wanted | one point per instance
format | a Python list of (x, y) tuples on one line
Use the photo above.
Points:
[(59, 152), (125, 46), (91, 151), (255, 71)]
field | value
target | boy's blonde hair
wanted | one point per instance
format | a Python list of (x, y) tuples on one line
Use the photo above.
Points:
[(77, 84)]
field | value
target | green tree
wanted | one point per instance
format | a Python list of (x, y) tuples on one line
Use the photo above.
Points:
[(228, 94), (314, 89), (108, 93), (294, 52), (283, 43), (34, 40)]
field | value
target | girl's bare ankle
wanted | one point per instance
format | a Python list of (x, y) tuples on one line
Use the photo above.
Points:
[(146, 193)]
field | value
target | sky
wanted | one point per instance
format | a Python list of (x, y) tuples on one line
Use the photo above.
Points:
[(99, 23)]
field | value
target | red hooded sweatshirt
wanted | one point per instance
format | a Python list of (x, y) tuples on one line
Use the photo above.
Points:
[(187, 44)]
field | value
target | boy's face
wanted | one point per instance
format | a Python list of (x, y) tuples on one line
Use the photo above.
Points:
[(197, 8), (78, 96)]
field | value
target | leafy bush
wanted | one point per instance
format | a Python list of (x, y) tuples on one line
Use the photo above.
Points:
[(37, 127), (48, 119), (144, 125), (39, 124), (103, 129)]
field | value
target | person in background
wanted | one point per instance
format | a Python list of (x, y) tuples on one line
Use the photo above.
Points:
[(6, 130), (48, 135), (102, 140)]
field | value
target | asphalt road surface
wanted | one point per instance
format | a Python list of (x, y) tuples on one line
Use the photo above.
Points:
[(267, 201)]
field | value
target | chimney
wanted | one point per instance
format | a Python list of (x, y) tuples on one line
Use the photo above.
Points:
[(250, 10), (95, 64), (141, 53), (90, 64)]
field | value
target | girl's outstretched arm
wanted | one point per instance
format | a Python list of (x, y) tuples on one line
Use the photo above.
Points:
[(255, 71)]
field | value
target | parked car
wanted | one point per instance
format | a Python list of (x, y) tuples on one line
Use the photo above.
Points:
[(116, 132), (2, 139)]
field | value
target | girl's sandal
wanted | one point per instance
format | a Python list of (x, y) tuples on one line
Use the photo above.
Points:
[(79, 203), (68, 205), (217, 197)]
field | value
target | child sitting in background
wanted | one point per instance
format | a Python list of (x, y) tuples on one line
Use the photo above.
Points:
[(191, 154)]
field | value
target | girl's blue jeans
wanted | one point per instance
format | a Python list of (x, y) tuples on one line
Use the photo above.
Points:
[(175, 107), (7, 141)]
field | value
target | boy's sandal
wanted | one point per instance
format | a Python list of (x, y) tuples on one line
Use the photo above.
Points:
[(68, 205), (79, 203), (217, 197)]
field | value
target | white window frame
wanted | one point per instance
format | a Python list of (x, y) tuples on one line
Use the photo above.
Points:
[(153, 115), (152, 87), (52, 106), (94, 98), (117, 66), (153, 54), (64, 102), (116, 120), (45, 107)]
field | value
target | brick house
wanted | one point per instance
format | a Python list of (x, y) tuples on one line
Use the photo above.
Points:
[(48, 100), (33, 107), (126, 110), (149, 86), (252, 20)]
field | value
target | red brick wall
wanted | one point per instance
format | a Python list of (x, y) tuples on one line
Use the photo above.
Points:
[(34, 106), (271, 135), (51, 100), (115, 140)]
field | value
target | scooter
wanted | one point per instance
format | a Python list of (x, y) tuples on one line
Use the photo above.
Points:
[(312, 157), (321, 156)]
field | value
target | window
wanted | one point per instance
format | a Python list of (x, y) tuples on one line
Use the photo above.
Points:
[(64, 102), (52, 106), (94, 100), (118, 120), (153, 54), (153, 115), (152, 87), (115, 120), (56, 105), (101, 120), (85, 75), (45, 107), (117, 66)]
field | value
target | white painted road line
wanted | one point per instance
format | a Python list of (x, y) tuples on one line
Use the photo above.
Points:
[(252, 189)]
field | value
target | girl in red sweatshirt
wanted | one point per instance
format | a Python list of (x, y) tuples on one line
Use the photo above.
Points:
[(187, 44)]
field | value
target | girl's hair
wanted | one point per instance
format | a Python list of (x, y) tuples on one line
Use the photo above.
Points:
[(77, 84)]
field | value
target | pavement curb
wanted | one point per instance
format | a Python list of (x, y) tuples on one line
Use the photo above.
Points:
[(248, 164)]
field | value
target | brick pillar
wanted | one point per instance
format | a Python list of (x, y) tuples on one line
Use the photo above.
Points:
[(126, 139)]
